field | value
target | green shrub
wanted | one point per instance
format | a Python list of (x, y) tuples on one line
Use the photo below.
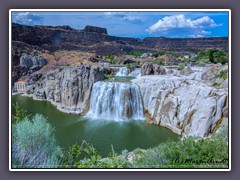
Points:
[(216, 56), (223, 75), (86, 156), (159, 53), (19, 113), (216, 84), (34, 145), (186, 153), (181, 67), (130, 65), (111, 59)]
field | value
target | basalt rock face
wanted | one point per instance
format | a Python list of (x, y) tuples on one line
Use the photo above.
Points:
[(28, 64), (187, 107), (91, 38), (68, 88), (32, 61), (95, 29)]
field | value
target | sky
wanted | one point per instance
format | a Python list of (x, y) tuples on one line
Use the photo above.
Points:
[(136, 24)]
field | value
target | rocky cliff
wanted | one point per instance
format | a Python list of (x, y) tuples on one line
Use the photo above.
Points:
[(187, 107), (96, 39), (68, 88)]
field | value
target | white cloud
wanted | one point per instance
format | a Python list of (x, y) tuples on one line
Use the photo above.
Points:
[(199, 34), (128, 16), (205, 32), (27, 18), (180, 21), (132, 18)]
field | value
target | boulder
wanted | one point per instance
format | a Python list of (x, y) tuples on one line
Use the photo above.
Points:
[(152, 69)]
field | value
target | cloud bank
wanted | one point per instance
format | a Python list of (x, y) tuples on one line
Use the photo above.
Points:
[(180, 21)]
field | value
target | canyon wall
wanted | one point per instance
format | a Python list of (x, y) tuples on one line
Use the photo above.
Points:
[(96, 40), (68, 88)]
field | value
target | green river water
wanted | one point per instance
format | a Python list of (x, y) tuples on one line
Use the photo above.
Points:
[(71, 129)]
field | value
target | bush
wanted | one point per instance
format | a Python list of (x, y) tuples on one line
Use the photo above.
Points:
[(181, 67), (186, 153), (34, 145), (223, 75), (216, 84), (159, 53), (19, 113), (216, 56), (86, 156), (111, 59)]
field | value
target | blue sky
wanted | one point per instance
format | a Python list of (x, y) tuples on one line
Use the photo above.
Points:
[(136, 24)]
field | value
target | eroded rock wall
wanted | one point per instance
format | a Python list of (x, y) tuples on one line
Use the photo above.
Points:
[(68, 88), (185, 106)]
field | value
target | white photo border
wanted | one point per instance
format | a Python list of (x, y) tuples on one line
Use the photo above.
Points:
[(118, 10)]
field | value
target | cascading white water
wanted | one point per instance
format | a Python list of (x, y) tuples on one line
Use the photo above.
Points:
[(135, 73), (115, 101), (122, 71)]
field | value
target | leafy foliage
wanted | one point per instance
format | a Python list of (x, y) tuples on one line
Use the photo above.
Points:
[(34, 144), (223, 75), (186, 153), (111, 59), (181, 67), (19, 113), (86, 156)]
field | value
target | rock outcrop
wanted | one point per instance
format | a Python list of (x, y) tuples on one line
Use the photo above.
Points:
[(28, 64), (68, 88), (152, 69), (95, 29), (187, 107), (32, 61)]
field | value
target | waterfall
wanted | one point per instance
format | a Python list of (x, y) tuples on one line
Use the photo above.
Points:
[(115, 101), (122, 71), (136, 73)]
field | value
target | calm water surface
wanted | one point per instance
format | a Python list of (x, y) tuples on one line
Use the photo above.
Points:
[(71, 129)]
